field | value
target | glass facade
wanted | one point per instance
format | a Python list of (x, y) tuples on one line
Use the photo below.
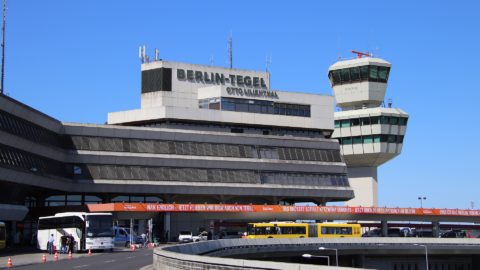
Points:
[(369, 73), (371, 139), (373, 120), (255, 106), (140, 173), (201, 149)]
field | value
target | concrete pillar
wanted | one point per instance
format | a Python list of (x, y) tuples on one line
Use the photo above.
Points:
[(166, 226), (436, 228), (384, 228), (363, 181)]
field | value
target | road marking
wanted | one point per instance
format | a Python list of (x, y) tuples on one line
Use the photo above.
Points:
[(80, 266), (129, 257), (109, 261)]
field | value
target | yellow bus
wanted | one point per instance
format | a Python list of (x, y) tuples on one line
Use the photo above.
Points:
[(302, 230), (3, 235)]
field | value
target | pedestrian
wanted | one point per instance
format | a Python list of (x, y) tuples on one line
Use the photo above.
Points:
[(63, 244), (71, 243), (51, 239)]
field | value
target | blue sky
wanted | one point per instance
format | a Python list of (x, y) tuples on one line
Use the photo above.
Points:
[(78, 60)]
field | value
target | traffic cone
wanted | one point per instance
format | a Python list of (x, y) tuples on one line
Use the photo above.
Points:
[(44, 258), (133, 247), (55, 258), (70, 255), (89, 252), (9, 262)]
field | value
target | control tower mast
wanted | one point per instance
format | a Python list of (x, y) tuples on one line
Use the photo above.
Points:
[(369, 134)]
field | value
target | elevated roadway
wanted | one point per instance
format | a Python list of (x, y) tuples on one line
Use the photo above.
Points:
[(371, 253)]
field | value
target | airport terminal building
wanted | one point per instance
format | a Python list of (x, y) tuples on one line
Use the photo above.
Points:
[(203, 134)]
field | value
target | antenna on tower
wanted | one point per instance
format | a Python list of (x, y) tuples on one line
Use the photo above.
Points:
[(142, 54), (268, 62), (212, 60), (230, 51), (3, 46), (156, 54)]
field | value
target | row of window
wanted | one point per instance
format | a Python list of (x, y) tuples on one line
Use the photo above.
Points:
[(373, 120), (202, 149), (17, 159), (254, 106), (277, 131), (212, 175), (357, 74), (14, 158), (371, 139), (20, 127)]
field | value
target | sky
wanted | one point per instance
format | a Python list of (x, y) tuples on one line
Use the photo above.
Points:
[(78, 60)]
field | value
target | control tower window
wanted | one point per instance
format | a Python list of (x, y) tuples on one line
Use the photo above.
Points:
[(373, 73), (383, 74), (364, 72), (355, 74), (345, 75)]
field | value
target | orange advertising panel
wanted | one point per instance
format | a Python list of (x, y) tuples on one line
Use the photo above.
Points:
[(245, 208)]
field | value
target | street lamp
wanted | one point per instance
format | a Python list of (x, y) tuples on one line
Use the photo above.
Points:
[(309, 256), (421, 199), (426, 253), (336, 253)]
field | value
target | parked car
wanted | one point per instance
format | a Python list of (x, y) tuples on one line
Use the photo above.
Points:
[(122, 237), (203, 236), (185, 237), (454, 234)]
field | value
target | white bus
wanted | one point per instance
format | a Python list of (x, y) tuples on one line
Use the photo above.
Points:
[(90, 230)]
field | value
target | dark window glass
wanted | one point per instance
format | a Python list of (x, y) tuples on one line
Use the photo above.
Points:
[(393, 120), (392, 138), (402, 121), (373, 73), (345, 123), (347, 140), (354, 122), (355, 74), (345, 73), (384, 120), (365, 121), (383, 74), (336, 76), (374, 120), (364, 73), (357, 140)]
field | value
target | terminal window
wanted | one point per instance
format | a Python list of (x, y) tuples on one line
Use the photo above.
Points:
[(255, 106)]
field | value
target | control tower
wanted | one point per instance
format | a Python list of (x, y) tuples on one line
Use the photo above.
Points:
[(369, 132)]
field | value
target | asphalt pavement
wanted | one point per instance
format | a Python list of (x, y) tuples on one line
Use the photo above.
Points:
[(116, 260)]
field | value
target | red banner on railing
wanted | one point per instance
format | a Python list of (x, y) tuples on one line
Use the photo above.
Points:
[(245, 208)]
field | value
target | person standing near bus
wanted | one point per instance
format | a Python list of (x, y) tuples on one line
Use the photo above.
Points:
[(51, 239), (63, 244), (71, 243)]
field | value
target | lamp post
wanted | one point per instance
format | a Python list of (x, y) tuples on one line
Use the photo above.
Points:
[(426, 253), (421, 199), (336, 253), (309, 256)]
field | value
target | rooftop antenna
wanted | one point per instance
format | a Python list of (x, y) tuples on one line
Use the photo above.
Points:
[(268, 62), (212, 60), (3, 45), (143, 55), (156, 54), (390, 102), (230, 48)]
